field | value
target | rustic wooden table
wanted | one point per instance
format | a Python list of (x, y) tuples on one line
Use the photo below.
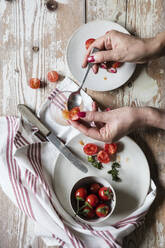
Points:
[(24, 24)]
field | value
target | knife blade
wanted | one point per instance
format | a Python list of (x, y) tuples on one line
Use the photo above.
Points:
[(65, 151)]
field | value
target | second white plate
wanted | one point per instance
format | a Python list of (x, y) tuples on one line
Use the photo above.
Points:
[(103, 80), (134, 174)]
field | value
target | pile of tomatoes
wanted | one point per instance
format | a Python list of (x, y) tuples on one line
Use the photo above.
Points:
[(93, 201), (104, 154)]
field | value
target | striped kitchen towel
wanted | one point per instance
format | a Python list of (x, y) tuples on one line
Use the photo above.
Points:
[(26, 161)]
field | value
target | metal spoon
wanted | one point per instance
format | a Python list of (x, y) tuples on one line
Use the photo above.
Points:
[(75, 98)]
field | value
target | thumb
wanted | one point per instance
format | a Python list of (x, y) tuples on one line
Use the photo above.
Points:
[(102, 56), (94, 116)]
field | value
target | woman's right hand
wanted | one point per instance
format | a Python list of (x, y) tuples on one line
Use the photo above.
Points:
[(121, 47)]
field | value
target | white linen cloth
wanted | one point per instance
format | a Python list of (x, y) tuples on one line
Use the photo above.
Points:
[(26, 165)]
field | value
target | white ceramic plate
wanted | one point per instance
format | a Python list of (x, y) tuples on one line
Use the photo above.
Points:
[(134, 173), (103, 80)]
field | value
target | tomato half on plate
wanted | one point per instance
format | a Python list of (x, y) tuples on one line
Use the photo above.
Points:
[(110, 148), (52, 76), (73, 114), (90, 149), (103, 157), (89, 42)]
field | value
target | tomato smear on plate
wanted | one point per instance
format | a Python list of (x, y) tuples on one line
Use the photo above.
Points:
[(89, 42), (90, 149), (103, 157)]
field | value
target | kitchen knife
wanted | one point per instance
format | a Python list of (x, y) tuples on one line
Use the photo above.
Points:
[(30, 117)]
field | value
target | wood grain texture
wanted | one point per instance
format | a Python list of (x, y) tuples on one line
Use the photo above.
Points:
[(24, 24), (146, 87)]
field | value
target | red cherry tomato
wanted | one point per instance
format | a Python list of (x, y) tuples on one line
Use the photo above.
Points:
[(92, 200), (34, 83), (52, 76), (110, 148), (105, 193), (89, 42), (88, 212), (102, 210), (94, 188), (103, 157), (73, 114), (116, 64), (81, 194), (90, 149)]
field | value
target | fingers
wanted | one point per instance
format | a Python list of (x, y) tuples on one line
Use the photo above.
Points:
[(95, 68), (88, 131), (98, 43), (102, 56), (94, 106), (95, 116)]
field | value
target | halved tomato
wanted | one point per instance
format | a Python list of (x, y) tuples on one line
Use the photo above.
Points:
[(116, 64), (34, 83), (89, 42), (110, 148), (52, 76), (103, 157), (73, 114), (90, 149)]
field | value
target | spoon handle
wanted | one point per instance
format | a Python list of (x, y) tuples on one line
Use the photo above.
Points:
[(88, 68)]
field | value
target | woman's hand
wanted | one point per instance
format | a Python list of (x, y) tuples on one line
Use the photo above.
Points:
[(117, 123), (117, 46)]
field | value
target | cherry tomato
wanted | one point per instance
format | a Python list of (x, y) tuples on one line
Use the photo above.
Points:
[(110, 148), (81, 194), (105, 193), (89, 42), (94, 188), (52, 76), (112, 70), (73, 114), (88, 212), (34, 83), (102, 210), (103, 157), (90, 149), (116, 64), (92, 200)]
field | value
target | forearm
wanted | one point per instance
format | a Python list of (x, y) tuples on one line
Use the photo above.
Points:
[(155, 47), (148, 116)]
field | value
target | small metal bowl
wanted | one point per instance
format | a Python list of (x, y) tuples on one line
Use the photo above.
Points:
[(86, 182)]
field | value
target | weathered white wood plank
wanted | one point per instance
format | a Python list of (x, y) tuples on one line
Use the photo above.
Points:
[(24, 24)]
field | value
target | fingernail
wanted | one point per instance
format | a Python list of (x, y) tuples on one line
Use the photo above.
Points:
[(91, 59), (102, 65), (81, 114), (107, 109), (112, 70)]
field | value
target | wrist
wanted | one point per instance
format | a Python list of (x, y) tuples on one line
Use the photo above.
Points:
[(155, 47), (148, 116)]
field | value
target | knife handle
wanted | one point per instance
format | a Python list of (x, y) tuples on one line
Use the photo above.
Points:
[(30, 117)]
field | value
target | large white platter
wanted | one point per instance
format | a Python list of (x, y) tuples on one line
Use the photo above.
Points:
[(134, 173), (76, 50)]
